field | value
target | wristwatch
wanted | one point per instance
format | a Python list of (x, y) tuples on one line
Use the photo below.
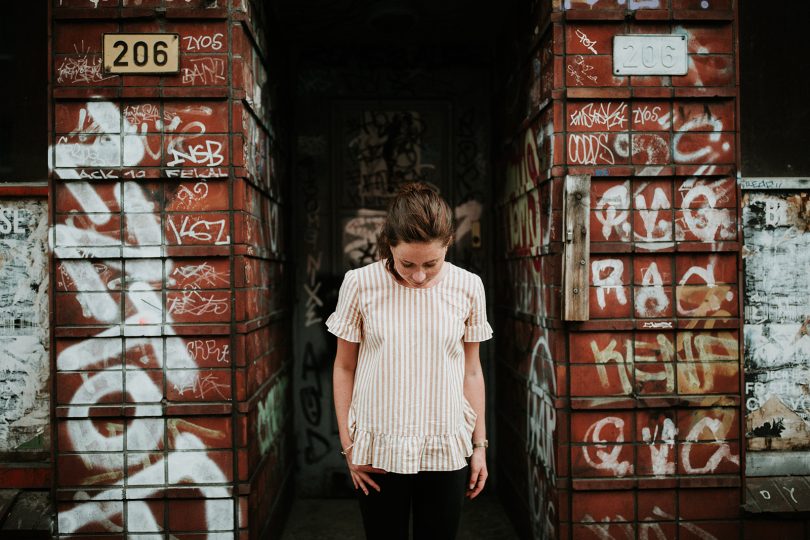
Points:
[(481, 444)]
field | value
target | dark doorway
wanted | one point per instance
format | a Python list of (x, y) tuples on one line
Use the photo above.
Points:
[(384, 92)]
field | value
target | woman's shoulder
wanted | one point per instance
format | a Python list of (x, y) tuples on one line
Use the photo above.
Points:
[(462, 273), (370, 274), (463, 279)]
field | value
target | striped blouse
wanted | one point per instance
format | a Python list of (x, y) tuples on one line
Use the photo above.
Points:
[(408, 410)]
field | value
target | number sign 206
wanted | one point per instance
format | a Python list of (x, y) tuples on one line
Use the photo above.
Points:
[(141, 53), (650, 54)]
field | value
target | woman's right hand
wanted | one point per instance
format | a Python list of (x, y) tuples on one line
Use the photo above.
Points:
[(360, 474)]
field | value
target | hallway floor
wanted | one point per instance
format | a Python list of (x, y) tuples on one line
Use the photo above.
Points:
[(339, 519)]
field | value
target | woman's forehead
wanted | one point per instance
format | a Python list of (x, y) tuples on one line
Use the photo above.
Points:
[(419, 252)]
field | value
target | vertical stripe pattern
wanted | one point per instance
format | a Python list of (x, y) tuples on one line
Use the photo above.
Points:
[(408, 410)]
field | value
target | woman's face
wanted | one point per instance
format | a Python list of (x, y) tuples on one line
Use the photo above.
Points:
[(419, 263)]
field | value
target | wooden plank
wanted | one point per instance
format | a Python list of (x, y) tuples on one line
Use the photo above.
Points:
[(777, 494), (777, 463), (576, 227)]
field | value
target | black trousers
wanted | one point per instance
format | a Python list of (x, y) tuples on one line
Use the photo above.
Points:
[(436, 498)]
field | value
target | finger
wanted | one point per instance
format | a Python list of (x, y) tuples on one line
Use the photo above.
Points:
[(474, 477), (361, 484), (479, 486), (368, 480), (354, 481)]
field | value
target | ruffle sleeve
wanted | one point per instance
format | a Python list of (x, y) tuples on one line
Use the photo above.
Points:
[(476, 327), (347, 321)]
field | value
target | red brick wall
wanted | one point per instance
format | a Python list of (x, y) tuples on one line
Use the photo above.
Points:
[(171, 321), (632, 420)]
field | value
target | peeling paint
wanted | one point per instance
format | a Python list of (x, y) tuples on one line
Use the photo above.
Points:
[(24, 397), (777, 316)]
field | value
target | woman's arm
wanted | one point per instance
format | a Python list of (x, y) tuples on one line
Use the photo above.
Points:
[(475, 394), (343, 383), (342, 386)]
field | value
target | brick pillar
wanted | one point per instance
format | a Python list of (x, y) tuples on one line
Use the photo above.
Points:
[(639, 431), (170, 308)]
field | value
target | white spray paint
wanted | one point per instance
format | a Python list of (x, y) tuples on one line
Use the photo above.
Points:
[(607, 278), (606, 460)]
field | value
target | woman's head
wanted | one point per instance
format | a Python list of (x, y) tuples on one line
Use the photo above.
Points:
[(416, 234)]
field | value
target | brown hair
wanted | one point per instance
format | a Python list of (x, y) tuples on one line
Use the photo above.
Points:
[(416, 214)]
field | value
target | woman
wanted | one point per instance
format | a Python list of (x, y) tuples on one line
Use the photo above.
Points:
[(408, 386)]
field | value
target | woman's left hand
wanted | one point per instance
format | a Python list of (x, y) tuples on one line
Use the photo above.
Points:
[(478, 472)]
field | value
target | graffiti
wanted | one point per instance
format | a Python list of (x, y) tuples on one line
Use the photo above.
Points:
[(386, 151), (659, 455), (643, 114), (196, 303), (542, 508), (311, 398), (704, 212), (706, 360), (649, 527), (612, 211), (470, 163), (312, 284), (466, 214), (272, 412), (207, 350), (597, 148), (524, 224), (196, 43), (82, 68), (522, 173), (184, 466), (581, 70), (654, 228), (587, 43), (650, 149), (606, 276), (707, 299), (776, 229), (723, 451), (208, 154), (199, 230), (311, 290), (205, 71), (604, 442), (360, 237), (541, 414), (650, 298), (605, 116), (95, 362), (105, 136), (527, 290), (657, 324), (24, 408), (606, 460)]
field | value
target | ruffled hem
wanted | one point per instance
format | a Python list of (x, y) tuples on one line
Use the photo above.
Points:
[(481, 332), (406, 454), (344, 329)]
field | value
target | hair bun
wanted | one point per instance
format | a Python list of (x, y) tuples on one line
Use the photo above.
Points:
[(411, 188)]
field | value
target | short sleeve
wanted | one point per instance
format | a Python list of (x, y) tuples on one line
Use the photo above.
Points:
[(476, 326), (347, 321)]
